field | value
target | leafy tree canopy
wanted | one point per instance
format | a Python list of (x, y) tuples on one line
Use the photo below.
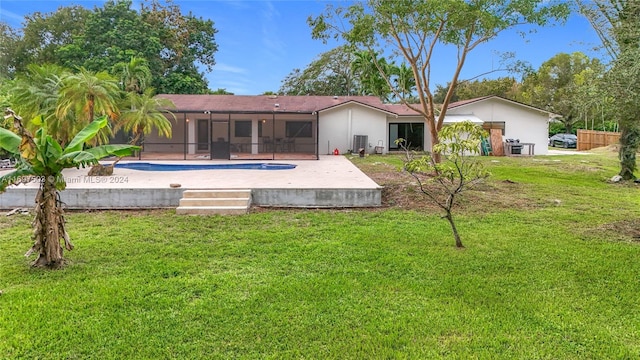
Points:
[(172, 43), (413, 28), (220, 91), (617, 22), (506, 87), (565, 85), (329, 74)]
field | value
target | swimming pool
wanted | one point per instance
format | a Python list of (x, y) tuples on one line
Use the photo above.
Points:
[(145, 166)]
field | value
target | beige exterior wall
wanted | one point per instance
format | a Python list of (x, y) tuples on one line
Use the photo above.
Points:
[(156, 143), (521, 122)]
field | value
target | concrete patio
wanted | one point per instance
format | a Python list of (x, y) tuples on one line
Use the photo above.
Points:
[(332, 181)]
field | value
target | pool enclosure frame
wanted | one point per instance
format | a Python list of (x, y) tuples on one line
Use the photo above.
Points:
[(236, 135)]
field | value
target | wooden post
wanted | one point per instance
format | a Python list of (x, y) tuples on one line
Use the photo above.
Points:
[(496, 142)]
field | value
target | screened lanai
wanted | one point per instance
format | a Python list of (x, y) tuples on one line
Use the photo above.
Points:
[(236, 136), (238, 127)]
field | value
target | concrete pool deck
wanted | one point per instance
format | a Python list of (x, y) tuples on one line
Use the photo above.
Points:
[(332, 181)]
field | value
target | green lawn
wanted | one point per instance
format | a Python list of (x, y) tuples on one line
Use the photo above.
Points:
[(555, 276)]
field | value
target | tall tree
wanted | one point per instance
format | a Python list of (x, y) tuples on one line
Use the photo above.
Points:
[(145, 113), (329, 74), (506, 87), (41, 156), (413, 28), (175, 45), (42, 36), (369, 66), (141, 114), (85, 94), (617, 22), (8, 51), (36, 92), (559, 86), (403, 80), (134, 75), (223, 91)]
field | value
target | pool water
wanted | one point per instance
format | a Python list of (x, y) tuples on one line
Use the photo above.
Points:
[(145, 166)]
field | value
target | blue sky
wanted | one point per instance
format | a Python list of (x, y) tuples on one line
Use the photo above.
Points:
[(261, 42)]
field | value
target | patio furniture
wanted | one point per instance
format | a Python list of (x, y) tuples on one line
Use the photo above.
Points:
[(289, 144), (515, 148), (379, 149), (277, 144), (267, 144)]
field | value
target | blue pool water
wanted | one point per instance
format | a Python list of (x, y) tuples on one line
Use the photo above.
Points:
[(181, 167)]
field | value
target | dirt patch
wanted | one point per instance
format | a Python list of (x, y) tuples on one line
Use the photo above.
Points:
[(401, 190), (626, 230)]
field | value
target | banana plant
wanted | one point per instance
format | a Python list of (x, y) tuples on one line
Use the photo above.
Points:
[(42, 158)]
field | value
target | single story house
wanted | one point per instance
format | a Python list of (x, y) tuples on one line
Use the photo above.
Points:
[(299, 127)]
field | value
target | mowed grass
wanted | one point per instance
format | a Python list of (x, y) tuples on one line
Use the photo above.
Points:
[(556, 276)]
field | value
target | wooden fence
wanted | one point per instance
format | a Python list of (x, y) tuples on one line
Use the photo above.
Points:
[(589, 139)]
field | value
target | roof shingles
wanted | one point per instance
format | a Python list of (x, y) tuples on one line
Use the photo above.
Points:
[(264, 103), (294, 104)]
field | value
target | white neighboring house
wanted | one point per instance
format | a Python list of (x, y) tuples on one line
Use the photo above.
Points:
[(387, 122), (296, 127), (516, 120)]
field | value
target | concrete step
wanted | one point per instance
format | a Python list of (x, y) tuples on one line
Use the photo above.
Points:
[(223, 193), (214, 201), (211, 210)]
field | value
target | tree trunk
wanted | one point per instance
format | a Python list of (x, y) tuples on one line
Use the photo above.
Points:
[(102, 170), (454, 230), (49, 227), (568, 127), (629, 142), (436, 156)]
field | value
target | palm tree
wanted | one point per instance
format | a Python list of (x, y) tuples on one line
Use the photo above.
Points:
[(36, 92), (404, 80), (43, 157), (134, 75), (370, 68), (85, 94), (144, 114)]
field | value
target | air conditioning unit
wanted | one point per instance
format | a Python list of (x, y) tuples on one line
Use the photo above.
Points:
[(360, 142)]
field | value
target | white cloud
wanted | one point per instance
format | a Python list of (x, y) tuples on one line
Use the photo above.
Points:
[(236, 4), (11, 18), (229, 68)]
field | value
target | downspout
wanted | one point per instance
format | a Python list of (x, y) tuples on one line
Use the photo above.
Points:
[(349, 131), (186, 135), (228, 136), (317, 136)]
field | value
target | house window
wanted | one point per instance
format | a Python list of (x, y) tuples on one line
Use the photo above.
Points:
[(488, 125), (243, 129), (298, 129), (412, 133)]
